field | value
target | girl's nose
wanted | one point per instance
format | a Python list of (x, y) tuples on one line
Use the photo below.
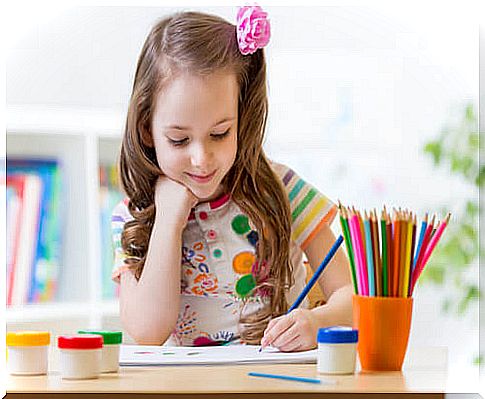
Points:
[(201, 156)]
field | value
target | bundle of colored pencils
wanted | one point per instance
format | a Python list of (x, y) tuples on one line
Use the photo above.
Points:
[(388, 261)]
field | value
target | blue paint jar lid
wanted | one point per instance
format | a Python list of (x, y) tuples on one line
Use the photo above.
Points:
[(337, 335)]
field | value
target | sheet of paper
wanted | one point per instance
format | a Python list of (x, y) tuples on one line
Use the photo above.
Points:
[(141, 355)]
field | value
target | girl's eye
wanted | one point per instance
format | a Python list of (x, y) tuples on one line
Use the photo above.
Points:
[(220, 136), (178, 143)]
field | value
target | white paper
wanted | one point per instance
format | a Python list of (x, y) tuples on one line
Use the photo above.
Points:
[(142, 355)]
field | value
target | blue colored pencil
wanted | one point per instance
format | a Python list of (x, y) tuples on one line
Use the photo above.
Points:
[(286, 377), (315, 276), (370, 257), (424, 224)]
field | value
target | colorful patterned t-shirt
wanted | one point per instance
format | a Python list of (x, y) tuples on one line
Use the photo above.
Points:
[(218, 258)]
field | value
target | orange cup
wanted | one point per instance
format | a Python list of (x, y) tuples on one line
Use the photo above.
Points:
[(383, 324)]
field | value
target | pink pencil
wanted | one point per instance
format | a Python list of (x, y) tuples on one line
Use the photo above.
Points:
[(360, 246), (353, 235), (430, 248)]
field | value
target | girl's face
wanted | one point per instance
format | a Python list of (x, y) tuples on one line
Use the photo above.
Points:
[(194, 128)]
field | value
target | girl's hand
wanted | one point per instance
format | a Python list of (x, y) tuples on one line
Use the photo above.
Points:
[(296, 331), (173, 200)]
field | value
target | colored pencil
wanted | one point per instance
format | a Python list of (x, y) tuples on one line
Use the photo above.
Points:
[(402, 252), (317, 273), (345, 229), (362, 238), (370, 260), (395, 253), (377, 260), (435, 238), (407, 263), (354, 228), (384, 254), (359, 226), (411, 257), (390, 258), (286, 377), (426, 239), (315, 276), (431, 247), (424, 224)]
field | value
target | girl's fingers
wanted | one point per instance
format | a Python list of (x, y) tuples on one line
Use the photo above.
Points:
[(277, 329), (271, 323), (292, 346), (286, 337)]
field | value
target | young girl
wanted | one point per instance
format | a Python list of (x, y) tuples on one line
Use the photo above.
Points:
[(210, 240)]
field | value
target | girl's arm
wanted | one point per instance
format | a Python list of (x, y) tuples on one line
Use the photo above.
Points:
[(298, 330), (149, 307)]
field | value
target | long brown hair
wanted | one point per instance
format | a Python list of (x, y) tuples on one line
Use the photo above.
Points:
[(202, 44)]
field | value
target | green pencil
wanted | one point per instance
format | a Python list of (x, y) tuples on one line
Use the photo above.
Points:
[(348, 244)]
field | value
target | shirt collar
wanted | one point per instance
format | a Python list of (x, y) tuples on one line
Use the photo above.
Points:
[(210, 205)]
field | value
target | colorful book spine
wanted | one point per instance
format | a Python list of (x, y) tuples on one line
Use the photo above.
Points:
[(110, 196), (46, 243), (27, 237)]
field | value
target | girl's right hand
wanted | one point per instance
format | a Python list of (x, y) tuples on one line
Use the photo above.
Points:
[(173, 200)]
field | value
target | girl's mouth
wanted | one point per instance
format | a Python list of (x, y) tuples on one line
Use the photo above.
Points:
[(201, 178)]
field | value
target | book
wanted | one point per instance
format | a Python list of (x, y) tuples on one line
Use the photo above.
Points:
[(45, 266), (14, 192), (29, 187), (109, 197), (148, 355)]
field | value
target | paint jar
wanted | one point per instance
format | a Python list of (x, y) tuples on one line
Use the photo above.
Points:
[(110, 354), (80, 356), (28, 352), (337, 348)]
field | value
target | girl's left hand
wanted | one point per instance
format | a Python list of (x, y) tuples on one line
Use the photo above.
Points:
[(296, 331)]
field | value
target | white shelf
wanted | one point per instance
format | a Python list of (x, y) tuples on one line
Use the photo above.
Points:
[(81, 139), (46, 120), (60, 311)]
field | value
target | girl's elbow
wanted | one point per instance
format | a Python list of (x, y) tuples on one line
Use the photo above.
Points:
[(149, 338)]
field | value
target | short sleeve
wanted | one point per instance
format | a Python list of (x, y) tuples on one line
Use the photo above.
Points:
[(119, 217), (310, 209)]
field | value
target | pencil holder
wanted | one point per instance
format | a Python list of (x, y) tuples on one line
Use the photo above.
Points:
[(383, 324)]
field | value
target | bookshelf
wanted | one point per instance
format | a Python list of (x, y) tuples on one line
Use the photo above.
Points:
[(82, 140)]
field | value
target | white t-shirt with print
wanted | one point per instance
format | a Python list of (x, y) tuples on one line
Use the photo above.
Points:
[(218, 257)]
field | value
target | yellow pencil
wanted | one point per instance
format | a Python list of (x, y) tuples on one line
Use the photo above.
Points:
[(408, 257)]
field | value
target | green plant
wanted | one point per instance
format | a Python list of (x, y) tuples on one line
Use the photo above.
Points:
[(456, 257)]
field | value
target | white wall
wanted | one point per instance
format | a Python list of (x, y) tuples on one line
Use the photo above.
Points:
[(359, 90)]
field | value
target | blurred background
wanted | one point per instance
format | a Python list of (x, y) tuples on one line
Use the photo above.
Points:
[(373, 106)]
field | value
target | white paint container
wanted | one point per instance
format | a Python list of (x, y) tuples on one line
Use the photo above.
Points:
[(27, 352), (337, 349), (80, 356), (110, 354)]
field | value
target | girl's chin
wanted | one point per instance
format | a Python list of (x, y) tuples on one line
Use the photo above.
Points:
[(206, 194)]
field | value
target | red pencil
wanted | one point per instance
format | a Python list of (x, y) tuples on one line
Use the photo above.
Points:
[(430, 248), (427, 236)]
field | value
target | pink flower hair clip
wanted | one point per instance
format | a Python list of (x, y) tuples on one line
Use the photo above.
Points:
[(252, 29)]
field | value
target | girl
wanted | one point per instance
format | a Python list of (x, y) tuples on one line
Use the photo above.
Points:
[(209, 243)]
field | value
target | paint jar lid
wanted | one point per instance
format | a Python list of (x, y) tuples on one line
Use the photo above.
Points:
[(81, 341), (337, 335), (28, 338), (109, 337)]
